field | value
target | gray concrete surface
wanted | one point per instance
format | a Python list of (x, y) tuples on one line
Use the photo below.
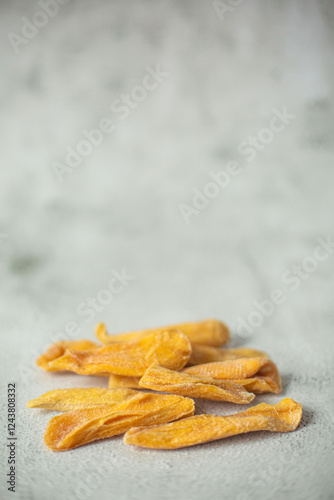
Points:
[(225, 77)]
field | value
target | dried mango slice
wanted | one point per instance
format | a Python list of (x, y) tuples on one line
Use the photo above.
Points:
[(164, 380), (259, 385), (122, 381), (73, 399), (282, 417), (78, 427), (58, 349), (171, 349), (208, 354), (209, 332), (237, 369)]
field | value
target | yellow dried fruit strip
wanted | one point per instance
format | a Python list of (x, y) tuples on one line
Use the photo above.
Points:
[(207, 354), (210, 332), (58, 349), (79, 398), (122, 381), (237, 369), (259, 385), (171, 349), (164, 380), (282, 417), (78, 427)]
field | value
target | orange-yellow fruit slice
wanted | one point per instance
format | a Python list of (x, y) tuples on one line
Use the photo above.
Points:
[(210, 332), (282, 417), (78, 427)]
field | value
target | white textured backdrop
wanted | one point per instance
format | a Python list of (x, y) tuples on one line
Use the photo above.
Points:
[(227, 69)]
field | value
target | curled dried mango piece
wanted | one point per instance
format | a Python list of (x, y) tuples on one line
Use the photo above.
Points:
[(171, 349), (122, 381), (58, 349), (165, 380), (238, 369), (210, 332), (282, 417), (259, 385), (208, 354), (78, 427), (73, 399)]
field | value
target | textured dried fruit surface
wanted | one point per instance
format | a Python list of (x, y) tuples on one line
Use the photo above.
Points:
[(164, 380), (171, 349), (260, 385), (58, 349), (238, 369), (123, 381), (208, 354), (210, 332), (80, 398), (78, 427), (282, 417)]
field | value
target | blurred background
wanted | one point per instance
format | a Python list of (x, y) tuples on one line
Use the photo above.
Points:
[(183, 87)]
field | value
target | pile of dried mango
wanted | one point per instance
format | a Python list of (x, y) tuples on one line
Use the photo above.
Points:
[(184, 360)]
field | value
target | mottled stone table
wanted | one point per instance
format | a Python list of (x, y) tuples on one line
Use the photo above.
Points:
[(120, 123)]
